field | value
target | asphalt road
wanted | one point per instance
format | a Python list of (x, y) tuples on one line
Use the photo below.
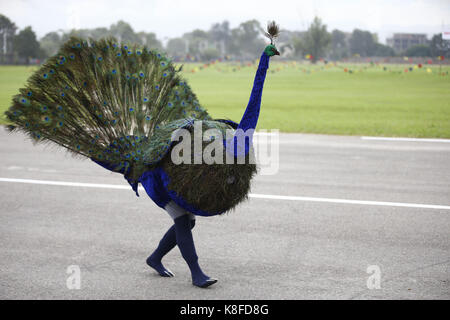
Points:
[(266, 249)]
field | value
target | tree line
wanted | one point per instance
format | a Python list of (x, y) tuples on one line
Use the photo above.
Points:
[(220, 41)]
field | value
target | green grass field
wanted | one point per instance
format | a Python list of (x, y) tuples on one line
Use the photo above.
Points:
[(315, 99)]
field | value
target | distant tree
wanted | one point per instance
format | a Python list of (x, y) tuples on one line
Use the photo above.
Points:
[(197, 33), (246, 39), (298, 45), (210, 54), (26, 44), (286, 42), (439, 47), (220, 33), (197, 41), (418, 51), (123, 32), (149, 40), (176, 47), (7, 32), (339, 45), (99, 33), (362, 43), (81, 33), (50, 43), (316, 40), (381, 50)]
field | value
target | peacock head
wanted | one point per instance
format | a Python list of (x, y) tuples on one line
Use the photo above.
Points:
[(273, 30), (271, 50)]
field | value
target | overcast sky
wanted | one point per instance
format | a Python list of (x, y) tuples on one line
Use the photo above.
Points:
[(171, 18)]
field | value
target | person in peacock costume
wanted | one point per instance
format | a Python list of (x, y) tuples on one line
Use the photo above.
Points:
[(123, 107)]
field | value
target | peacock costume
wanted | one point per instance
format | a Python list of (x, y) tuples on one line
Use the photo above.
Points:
[(121, 106)]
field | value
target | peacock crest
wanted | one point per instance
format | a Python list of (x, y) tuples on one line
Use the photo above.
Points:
[(273, 31)]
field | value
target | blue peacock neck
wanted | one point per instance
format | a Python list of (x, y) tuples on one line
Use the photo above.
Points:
[(243, 137)]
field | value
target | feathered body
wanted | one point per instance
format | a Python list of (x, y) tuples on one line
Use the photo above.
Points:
[(119, 106)]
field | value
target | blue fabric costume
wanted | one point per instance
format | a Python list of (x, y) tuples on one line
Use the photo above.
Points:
[(125, 107), (156, 182)]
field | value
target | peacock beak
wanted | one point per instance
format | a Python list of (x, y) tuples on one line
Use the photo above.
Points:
[(277, 53)]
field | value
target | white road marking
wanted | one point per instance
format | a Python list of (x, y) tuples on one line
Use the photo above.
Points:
[(31, 169), (256, 133), (406, 139), (347, 201), (66, 183), (252, 195)]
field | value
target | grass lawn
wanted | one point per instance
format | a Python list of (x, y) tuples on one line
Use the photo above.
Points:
[(315, 99)]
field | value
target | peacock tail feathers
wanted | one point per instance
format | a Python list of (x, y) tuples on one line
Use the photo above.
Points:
[(106, 101)]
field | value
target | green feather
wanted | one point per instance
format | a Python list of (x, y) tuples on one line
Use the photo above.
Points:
[(106, 102)]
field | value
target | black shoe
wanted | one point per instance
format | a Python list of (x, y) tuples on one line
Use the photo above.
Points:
[(205, 284), (162, 271)]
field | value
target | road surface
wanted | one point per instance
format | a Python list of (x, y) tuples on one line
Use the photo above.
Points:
[(358, 219)]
